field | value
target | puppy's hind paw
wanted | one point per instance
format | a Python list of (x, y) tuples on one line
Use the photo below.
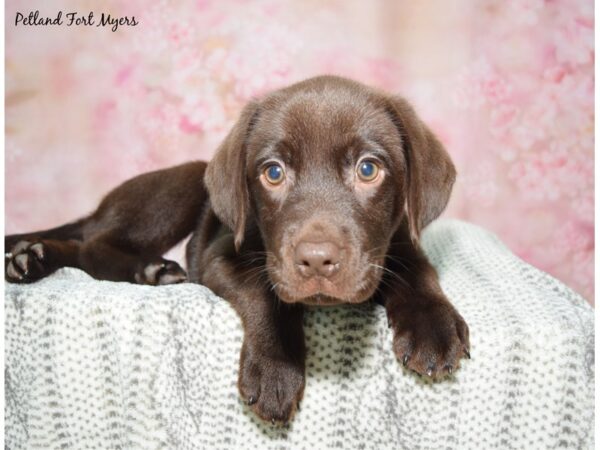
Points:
[(161, 272), (26, 262)]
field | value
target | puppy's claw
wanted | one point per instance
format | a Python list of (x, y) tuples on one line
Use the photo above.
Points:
[(251, 401), (449, 369), (19, 247), (273, 421), (298, 406), (405, 360), (467, 354), (12, 272), (38, 250), (22, 261), (430, 370)]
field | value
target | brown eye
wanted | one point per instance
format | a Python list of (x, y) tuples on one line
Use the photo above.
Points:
[(274, 174), (367, 171)]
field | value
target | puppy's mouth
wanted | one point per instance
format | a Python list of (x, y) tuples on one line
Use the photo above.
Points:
[(321, 300), (324, 292)]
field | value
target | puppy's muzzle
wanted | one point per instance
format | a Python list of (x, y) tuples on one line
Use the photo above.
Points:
[(317, 259)]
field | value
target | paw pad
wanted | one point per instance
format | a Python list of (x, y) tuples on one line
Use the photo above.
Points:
[(25, 262), (161, 273)]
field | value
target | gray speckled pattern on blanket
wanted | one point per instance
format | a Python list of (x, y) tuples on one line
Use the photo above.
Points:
[(93, 364)]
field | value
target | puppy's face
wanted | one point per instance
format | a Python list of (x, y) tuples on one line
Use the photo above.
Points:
[(322, 169), (325, 172)]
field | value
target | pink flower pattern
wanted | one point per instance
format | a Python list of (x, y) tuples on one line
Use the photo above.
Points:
[(509, 89)]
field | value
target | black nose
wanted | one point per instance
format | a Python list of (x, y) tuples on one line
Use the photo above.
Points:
[(317, 258)]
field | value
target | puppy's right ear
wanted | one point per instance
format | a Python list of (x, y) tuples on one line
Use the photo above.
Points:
[(225, 177)]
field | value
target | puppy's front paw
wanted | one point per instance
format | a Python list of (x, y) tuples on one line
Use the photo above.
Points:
[(26, 262), (161, 272), (430, 337), (272, 387)]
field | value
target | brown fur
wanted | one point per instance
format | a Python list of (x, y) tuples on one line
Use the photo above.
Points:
[(323, 236)]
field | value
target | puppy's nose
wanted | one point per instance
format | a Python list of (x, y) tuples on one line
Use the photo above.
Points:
[(317, 258)]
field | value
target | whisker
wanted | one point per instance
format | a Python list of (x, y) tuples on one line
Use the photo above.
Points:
[(395, 275)]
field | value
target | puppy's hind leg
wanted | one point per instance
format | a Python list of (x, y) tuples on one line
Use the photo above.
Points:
[(72, 230), (31, 260), (105, 260), (123, 240)]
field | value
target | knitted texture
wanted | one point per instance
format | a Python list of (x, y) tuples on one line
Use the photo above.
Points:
[(96, 364)]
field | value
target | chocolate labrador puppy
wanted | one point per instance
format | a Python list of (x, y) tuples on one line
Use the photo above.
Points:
[(316, 197)]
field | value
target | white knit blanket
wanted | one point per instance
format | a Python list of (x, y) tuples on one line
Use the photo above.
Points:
[(92, 364)]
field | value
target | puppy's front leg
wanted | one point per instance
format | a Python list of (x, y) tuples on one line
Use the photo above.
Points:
[(430, 336), (272, 359)]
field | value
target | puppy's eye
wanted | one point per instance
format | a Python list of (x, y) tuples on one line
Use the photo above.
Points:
[(274, 174), (367, 171)]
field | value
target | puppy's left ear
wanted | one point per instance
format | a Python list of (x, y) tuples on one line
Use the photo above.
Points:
[(225, 176), (430, 173)]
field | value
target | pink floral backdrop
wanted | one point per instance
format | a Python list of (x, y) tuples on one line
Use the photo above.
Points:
[(507, 85)]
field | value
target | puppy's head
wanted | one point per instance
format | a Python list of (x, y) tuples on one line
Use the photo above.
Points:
[(327, 169)]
